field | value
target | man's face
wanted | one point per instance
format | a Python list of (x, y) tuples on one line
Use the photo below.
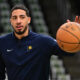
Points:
[(19, 21)]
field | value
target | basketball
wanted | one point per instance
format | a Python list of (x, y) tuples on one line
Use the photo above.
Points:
[(68, 37)]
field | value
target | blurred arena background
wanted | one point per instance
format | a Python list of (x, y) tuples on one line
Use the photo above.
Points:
[(47, 16)]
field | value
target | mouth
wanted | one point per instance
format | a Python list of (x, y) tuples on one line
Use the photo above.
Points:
[(19, 27)]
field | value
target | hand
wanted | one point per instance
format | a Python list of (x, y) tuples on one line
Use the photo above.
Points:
[(77, 19)]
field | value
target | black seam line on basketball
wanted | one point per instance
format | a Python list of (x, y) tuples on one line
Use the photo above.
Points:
[(71, 43), (74, 48), (72, 34), (67, 42), (77, 27)]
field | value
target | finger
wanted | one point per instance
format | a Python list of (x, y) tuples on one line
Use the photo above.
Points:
[(76, 19), (68, 20), (79, 20)]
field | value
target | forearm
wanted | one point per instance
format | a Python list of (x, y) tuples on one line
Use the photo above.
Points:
[(2, 69)]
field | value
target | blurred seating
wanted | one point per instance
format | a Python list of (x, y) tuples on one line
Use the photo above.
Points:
[(16, 1), (58, 70), (37, 17), (5, 10), (64, 77)]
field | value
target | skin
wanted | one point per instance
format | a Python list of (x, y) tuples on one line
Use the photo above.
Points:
[(20, 21), (77, 19)]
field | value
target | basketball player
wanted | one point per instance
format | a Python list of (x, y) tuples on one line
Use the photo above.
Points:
[(25, 54)]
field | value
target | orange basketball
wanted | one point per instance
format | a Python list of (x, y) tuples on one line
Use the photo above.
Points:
[(68, 37)]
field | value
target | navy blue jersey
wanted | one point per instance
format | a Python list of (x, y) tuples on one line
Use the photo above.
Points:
[(28, 58)]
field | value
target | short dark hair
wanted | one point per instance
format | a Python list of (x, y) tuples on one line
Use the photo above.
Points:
[(20, 6)]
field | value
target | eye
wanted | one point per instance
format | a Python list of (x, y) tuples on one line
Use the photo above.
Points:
[(14, 17), (22, 16)]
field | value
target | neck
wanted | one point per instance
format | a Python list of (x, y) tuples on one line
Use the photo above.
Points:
[(22, 35)]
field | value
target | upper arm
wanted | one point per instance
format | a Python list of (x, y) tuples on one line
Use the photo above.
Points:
[(55, 49)]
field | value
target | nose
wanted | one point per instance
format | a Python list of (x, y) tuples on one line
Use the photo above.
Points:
[(18, 21)]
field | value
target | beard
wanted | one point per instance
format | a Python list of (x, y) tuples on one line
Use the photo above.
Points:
[(21, 32)]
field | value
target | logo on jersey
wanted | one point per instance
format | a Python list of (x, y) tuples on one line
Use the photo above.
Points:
[(29, 47), (9, 50)]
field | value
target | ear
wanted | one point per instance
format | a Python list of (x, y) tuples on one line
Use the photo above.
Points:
[(10, 21), (29, 20)]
